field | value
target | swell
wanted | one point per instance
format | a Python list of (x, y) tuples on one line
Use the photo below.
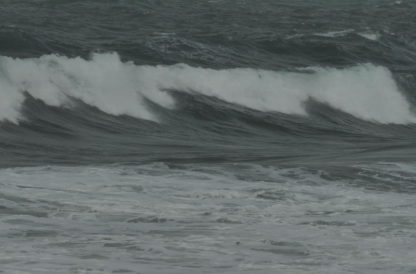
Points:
[(60, 110)]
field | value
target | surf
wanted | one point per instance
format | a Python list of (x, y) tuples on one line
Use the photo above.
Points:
[(366, 91)]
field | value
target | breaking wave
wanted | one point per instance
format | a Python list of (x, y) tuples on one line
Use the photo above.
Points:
[(366, 91)]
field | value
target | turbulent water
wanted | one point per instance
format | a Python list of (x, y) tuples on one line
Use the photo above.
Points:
[(208, 136)]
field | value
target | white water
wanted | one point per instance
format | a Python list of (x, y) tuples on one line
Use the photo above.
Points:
[(207, 219), (366, 91), (333, 34), (369, 35), (374, 36)]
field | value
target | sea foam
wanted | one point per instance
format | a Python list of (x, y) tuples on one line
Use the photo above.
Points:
[(365, 91)]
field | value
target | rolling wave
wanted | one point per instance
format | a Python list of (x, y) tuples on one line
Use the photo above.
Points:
[(366, 91)]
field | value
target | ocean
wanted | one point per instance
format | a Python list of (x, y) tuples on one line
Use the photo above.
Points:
[(207, 136)]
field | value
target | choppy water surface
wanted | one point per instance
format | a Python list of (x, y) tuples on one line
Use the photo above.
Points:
[(230, 219), (207, 136)]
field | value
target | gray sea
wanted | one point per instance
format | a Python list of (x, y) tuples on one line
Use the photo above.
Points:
[(203, 136)]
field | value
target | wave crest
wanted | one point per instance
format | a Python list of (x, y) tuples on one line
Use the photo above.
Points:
[(365, 91)]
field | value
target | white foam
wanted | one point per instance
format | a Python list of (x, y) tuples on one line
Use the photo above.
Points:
[(296, 218), (104, 82), (365, 91), (333, 34), (369, 35), (374, 36)]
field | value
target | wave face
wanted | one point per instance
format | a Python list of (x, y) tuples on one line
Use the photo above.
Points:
[(117, 109), (366, 91)]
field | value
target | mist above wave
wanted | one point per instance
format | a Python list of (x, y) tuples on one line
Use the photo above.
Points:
[(365, 91)]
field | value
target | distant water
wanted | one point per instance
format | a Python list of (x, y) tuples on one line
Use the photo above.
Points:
[(220, 136)]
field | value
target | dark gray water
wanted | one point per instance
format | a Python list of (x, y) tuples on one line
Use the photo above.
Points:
[(207, 136)]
